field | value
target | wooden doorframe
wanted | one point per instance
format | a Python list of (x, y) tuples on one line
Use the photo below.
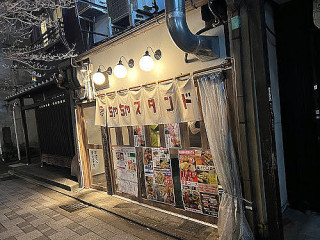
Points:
[(84, 150), (83, 153)]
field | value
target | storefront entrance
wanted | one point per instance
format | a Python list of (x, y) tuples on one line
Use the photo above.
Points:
[(166, 165), (94, 164)]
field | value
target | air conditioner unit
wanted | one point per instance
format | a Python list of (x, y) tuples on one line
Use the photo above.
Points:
[(87, 5), (124, 13)]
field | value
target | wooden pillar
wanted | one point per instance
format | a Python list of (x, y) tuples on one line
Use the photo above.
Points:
[(107, 158), (83, 154), (25, 131)]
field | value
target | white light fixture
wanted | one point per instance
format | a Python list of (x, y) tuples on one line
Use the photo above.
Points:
[(146, 63), (83, 68), (120, 71), (98, 77)]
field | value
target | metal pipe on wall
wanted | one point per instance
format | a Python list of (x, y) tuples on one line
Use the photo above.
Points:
[(204, 47)]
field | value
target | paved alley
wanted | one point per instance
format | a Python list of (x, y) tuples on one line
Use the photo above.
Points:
[(30, 211)]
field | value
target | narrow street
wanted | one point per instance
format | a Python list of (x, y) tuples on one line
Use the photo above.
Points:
[(29, 211), (159, 119)]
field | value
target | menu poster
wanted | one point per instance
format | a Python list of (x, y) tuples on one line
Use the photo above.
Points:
[(210, 204), (148, 172), (199, 182), (126, 170), (139, 136), (172, 135), (206, 173), (191, 198), (189, 181), (97, 161), (158, 175), (94, 158)]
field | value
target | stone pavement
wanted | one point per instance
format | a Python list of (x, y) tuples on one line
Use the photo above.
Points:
[(301, 226), (28, 211), (176, 226)]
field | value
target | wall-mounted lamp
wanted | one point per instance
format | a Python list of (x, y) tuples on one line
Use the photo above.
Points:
[(99, 78), (84, 67), (120, 70), (146, 63)]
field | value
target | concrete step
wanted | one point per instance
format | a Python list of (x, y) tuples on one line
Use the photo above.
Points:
[(51, 175)]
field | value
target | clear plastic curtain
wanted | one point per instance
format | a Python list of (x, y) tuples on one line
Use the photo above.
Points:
[(232, 223)]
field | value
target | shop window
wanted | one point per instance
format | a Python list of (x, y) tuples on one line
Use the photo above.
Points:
[(113, 136), (155, 135), (125, 136), (44, 33), (167, 166), (194, 134), (177, 182), (93, 131)]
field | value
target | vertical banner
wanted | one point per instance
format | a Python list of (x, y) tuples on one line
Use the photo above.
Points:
[(101, 109), (188, 101), (172, 135), (158, 175), (137, 107), (139, 137), (126, 170), (199, 182), (97, 161), (169, 103), (124, 104), (112, 110), (152, 104)]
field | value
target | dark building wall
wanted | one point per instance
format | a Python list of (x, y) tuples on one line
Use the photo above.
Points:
[(298, 46), (54, 123), (72, 29)]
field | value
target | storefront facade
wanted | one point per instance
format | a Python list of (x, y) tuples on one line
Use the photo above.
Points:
[(165, 160), (151, 146)]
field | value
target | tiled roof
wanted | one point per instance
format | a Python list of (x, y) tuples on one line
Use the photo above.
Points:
[(29, 89)]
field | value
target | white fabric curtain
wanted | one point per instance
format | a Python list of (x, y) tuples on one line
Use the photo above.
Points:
[(232, 223)]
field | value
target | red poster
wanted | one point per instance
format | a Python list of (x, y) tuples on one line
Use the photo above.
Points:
[(198, 178)]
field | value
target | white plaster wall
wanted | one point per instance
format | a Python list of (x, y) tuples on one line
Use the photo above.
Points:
[(31, 124), (172, 62)]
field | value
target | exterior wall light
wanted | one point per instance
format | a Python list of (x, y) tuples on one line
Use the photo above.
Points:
[(98, 77), (120, 71), (83, 69), (146, 63)]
